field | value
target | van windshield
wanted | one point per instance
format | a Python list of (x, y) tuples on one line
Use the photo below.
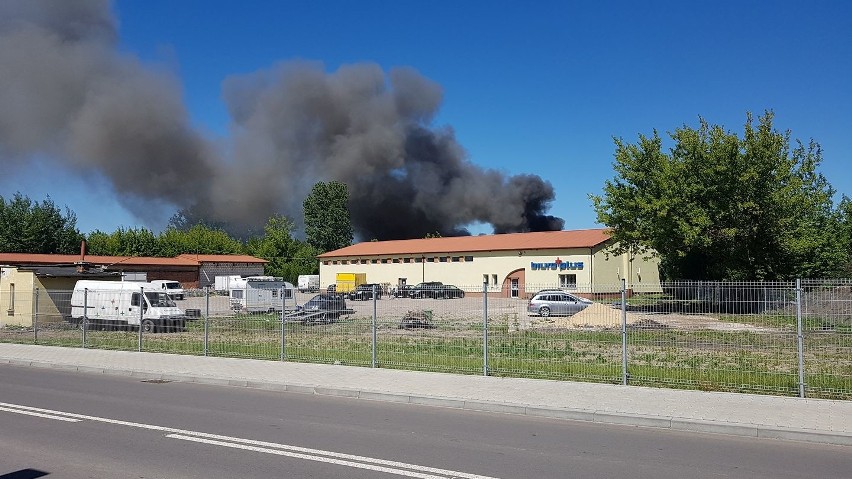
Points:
[(159, 300), (173, 285)]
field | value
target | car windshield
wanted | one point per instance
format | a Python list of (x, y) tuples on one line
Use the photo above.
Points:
[(159, 300)]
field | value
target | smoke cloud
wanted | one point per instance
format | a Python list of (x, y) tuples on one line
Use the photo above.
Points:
[(66, 93)]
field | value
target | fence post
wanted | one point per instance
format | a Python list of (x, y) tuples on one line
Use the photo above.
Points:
[(800, 344), (141, 312), (206, 317), (35, 318), (374, 362), (283, 352), (624, 374), (85, 314), (485, 328)]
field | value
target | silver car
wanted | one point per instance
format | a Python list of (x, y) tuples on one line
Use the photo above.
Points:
[(547, 303)]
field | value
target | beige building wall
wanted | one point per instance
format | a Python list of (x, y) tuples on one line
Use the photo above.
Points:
[(588, 270), (18, 308), (16, 297)]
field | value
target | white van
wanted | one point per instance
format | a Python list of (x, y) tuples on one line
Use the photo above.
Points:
[(110, 304), (172, 288)]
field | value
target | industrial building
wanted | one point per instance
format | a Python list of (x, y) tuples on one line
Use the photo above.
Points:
[(512, 265)]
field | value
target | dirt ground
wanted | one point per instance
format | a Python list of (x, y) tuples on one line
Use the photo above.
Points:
[(604, 316)]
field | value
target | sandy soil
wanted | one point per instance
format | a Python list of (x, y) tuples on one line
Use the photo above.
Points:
[(604, 316)]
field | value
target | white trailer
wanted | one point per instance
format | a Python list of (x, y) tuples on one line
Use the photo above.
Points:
[(223, 283), (110, 304), (309, 283), (257, 294)]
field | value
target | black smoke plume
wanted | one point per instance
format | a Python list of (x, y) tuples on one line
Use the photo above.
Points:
[(66, 93)]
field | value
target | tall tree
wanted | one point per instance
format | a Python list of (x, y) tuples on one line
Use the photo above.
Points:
[(124, 242), (844, 230), (32, 227), (198, 239), (717, 206), (286, 256), (328, 225)]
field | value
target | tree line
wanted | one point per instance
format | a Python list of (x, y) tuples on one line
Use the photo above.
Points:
[(711, 204), (718, 206), (32, 227)]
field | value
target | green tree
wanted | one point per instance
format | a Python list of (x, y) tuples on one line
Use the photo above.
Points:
[(844, 230), (124, 242), (198, 239), (717, 206), (328, 225), (286, 256), (31, 227)]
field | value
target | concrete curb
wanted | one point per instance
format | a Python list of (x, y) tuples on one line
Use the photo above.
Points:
[(624, 419)]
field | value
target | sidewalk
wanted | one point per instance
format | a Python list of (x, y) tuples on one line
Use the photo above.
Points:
[(812, 420)]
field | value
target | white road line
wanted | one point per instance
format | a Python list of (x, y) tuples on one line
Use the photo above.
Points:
[(309, 457), (37, 414), (350, 460)]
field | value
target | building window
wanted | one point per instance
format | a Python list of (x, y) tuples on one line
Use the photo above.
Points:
[(374, 261), (384, 261), (418, 260), (568, 281), (396, 260), (363, 261), (325, 263), (456, 259), (468, 259), (430, 260), (11, 298), (406, 260), (485, 278), (494, 280), (444, 259)]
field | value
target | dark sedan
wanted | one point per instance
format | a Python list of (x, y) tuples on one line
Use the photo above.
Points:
[(436, 290)]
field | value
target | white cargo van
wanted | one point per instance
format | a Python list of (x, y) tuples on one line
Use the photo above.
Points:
[(309, 283), (111, 304), (170, 287)]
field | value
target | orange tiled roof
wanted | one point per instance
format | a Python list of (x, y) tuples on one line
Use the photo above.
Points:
[(503, 242), (182, 260), (222, 258)]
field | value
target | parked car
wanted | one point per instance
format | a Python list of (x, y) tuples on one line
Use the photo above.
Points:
[(322, 308), (552, 303), (436, 290), (363, 292), (403, 291)]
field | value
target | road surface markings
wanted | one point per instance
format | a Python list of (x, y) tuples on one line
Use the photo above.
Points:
[(369, 463), (331, 457), (37, 414)]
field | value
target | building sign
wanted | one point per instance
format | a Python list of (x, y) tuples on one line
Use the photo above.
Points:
[(557, 265)]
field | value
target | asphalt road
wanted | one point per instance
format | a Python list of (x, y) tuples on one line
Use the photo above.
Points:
[(71, 425)]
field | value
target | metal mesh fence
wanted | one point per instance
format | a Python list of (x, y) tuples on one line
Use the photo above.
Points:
[(781, 338)]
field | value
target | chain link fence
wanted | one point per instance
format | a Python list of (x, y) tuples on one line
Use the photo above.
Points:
[(780, 338)]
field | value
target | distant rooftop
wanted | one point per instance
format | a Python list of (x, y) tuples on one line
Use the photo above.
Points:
[(502, 242)]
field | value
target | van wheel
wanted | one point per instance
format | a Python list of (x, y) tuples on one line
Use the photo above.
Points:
[(148, 326)]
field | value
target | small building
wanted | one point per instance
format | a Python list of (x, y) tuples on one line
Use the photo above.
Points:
[(212, 265), (42, 290), (191, 270), (510, 265)]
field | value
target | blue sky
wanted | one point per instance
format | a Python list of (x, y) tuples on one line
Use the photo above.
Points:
[(529, 87)]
